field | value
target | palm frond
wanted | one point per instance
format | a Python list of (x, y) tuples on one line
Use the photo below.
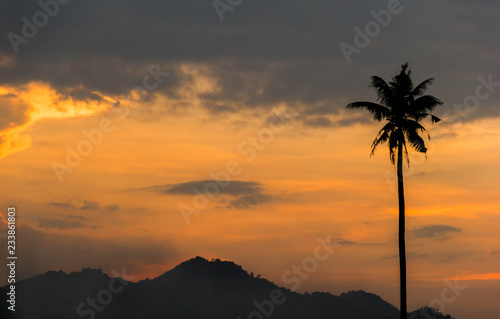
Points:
[(424, 103), (419, 116), (378, 111), (419, 89), (382, 136), (384, 91), (435, 119), (416, 141), (412, 125)]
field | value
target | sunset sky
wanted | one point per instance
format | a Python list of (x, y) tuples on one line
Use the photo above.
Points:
[(114, 111)]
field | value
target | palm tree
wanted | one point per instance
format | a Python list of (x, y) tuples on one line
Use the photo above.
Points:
[(402, 106)]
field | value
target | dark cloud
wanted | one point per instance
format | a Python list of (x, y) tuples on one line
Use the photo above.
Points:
[(89, 205), (409, 255), (438, 232), (245, 202), (83, 205), (345, 242), (233, 188), (78, 217), (263, 53), (12, 112), (455, 256), (49, 223), (364, 119), (82, 94), (246, 194), (111, 208), (319, 121), (61, 205)]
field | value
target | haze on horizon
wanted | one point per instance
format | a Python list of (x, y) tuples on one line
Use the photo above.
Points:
[(258, 97)]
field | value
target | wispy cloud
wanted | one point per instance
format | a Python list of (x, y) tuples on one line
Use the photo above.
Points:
[(455, 256), (410, 255), (111, 208), (78, 217), (345, 242), (245, 202), (61, 205), (437, 232), (233, 188), (246, 194), (89, 205), (62, 224)]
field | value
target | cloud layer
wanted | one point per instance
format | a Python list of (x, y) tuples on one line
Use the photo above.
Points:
[(263, 53), (437, 232), (246, 193)]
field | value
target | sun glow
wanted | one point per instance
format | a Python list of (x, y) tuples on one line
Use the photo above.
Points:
[(40, 101)]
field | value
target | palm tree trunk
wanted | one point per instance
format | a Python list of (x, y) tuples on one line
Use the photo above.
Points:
[(402, 249)]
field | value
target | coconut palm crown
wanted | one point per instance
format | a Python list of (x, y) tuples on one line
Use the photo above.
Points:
[(404, 107)]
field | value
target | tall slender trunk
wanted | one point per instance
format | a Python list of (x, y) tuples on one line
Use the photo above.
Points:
[(402, 249)]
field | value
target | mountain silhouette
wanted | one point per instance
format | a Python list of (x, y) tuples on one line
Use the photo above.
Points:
[(196, 288)]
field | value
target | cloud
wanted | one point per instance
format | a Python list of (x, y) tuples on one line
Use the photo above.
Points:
[(345, 242), (83, 205), (111, 208), (49, 223), (62, 205), (455, 256), (245, 202), (318, 122), (76, 217), (247, 193), (89, 205), (437, 232), (348, 121), (13, 121), (32, 101), (13, 111), (409, 255), (264, 53), (232, 188)]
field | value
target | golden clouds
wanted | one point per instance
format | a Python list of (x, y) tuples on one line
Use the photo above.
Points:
[(26, 105)]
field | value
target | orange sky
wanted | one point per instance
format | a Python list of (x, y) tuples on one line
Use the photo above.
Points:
[(104, 211)]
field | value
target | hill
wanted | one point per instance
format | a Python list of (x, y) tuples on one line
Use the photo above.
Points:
[(196, 288)]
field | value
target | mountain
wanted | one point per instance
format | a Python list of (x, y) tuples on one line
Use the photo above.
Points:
[(370, 303), (197, 288)]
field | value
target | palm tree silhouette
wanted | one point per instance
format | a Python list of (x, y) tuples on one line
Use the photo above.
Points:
[(403, 106)]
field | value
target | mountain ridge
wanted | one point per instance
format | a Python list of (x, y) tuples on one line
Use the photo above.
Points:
[(196, 288)]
